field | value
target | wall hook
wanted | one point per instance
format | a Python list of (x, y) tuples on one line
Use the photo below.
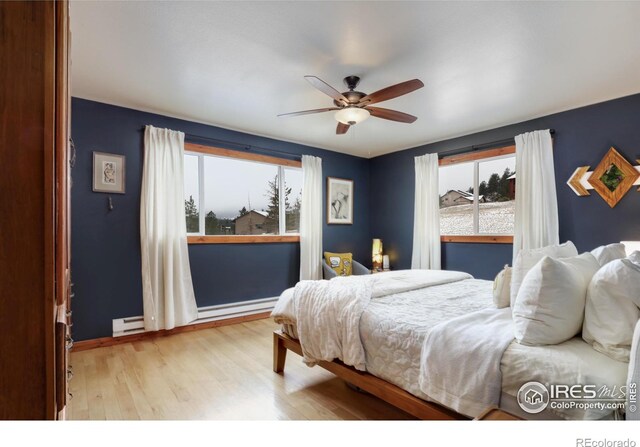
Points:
[(109, 203)]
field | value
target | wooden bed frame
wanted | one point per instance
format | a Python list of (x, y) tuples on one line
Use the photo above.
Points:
[(382, 389)]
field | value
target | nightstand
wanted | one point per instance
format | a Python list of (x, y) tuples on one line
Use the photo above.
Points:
[(379, 271)]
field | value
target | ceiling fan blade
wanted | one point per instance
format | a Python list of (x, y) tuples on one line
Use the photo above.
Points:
[(342, 129), (308, 112), (392, 92), (392, 115), (326, 89)]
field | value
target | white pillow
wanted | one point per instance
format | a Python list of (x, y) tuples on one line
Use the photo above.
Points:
[(611, 312), (635, 257), (502, 288), (527, 258), (607, 253), (549, 308)]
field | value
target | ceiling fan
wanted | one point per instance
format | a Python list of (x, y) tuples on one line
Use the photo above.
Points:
[(353, 107)]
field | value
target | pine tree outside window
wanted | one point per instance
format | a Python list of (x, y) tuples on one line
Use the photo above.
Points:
[(229, 196)]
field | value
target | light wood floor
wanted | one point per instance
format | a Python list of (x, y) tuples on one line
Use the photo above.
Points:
[(221, 373)]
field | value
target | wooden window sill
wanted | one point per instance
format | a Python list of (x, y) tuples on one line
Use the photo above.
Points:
[(477, 239), (266, 239)]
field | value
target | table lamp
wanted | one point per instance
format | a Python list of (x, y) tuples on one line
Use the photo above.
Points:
[(376, 254)]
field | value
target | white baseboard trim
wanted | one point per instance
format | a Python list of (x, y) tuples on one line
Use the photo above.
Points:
[(135, 325)]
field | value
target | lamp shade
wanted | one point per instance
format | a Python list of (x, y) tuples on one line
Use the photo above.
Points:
[(352, 115), (376, 254)]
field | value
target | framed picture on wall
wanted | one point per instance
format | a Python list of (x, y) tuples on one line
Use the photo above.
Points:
[(339, 201), (108, 173)]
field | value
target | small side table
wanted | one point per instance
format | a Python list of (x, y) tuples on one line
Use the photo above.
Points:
[(379, 271)]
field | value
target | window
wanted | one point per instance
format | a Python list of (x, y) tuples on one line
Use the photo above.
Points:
[(233, 196), (477, 196)]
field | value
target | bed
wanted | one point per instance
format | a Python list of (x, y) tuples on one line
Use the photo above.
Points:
[(393, 328)]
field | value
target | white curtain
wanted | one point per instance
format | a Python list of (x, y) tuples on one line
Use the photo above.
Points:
[(311, 219), (426, 217), (536, 220), (167, 290)]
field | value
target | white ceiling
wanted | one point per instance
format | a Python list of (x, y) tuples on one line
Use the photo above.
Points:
[(239, 64)]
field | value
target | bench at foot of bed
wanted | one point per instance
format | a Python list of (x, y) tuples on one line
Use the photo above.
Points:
[(382, 389)]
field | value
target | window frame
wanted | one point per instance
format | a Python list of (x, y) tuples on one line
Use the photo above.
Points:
[(201, 151), (477, 157)]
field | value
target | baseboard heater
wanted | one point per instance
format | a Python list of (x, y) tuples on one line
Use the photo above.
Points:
[(135, 325)]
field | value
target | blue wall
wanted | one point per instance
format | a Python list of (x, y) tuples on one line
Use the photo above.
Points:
[(106, 254), (106, 245), (582, 138)]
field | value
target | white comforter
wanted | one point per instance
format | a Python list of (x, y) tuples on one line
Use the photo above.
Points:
[(327, 313), (393, 328), (328, 319), (453, 349)]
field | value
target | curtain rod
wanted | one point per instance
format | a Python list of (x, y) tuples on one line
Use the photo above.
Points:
[(244, 147), (477, 147)]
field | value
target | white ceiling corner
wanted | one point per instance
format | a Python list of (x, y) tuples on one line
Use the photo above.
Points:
[(239, 64)]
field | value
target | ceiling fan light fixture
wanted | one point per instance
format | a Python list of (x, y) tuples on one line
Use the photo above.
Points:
[(352, 115)]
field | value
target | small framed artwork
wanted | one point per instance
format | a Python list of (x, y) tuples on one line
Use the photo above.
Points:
[(339, 201), (108, 173)]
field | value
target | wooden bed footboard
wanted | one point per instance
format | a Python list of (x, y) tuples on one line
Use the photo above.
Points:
[(382, 389)]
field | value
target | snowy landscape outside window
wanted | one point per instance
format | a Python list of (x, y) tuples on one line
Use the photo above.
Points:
[(477, 198), (226, 196)]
